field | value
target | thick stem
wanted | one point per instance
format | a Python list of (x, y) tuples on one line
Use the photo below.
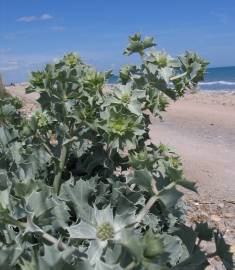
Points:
[(61, 246), (152, 201), (48, 150), (146, 208), (57, 179), (130, 266)]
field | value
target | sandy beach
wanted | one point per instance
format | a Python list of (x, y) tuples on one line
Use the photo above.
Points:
[(201, 128)]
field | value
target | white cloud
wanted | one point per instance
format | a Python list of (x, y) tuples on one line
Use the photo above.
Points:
[(32, 18), (44, 17), (17, 67), (58, 28), (8, 65), (9, 68), (27, 19)]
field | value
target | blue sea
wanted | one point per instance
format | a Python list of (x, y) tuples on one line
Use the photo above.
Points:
[(217, 79)]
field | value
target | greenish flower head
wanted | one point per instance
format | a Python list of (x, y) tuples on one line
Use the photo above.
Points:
[(143, 155), (87, 113), (142, 160), (174, 162), (126, 98), (125, 73), (71, 59), (162, 148), (118, 126), (42, 119), (37, 78), (105, 231), (162, 61), (93, 81), (121, 125)]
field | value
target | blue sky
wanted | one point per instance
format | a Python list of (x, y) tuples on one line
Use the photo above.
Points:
[(33, 32)]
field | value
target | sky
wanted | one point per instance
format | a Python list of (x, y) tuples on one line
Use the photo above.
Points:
[(35, 32)]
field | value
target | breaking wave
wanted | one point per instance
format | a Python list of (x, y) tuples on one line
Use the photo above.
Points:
[(217, 83)]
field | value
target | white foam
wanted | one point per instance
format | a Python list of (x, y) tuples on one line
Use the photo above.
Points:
[(217, 82)]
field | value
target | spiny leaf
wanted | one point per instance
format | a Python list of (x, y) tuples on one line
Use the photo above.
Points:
[(78, 194), (169, 197)]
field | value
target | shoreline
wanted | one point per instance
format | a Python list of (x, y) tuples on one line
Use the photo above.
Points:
[(200, 89)]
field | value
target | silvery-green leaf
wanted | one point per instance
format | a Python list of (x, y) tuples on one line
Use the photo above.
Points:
[(94, 252), (197, 261), (31, 226), (187, 184), (132, 243), (6, 135), (179, 76), (154, 246), (195, 68), (170, 197), (28, 265), (3, 180), (104, 215), (53, 258), (174, 247), (188, 236), (153, 68), (82, 230), (143, 178), (104, 266), (40, 201), (9, 256), (135, 107), (4, 198), (166, 74), (113, 254), (78, 195)]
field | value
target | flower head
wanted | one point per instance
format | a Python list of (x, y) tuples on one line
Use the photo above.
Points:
[(104, 226)]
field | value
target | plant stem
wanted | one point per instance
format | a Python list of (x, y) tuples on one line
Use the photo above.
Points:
[(61, 246), (146, 208), (57, 179), (130, 266), (152, 201)]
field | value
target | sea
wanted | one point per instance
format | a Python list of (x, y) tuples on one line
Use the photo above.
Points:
[(216, 79)]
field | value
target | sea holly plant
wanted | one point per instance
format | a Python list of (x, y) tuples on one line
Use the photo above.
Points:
[(82, 186)]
